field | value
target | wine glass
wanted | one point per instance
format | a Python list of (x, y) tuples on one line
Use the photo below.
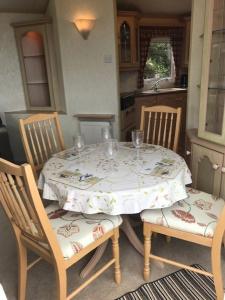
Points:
[(137, 140), (106, 133), (111, 149), (78, 142)]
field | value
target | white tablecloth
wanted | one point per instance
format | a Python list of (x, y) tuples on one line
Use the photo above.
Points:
[(92, 184)]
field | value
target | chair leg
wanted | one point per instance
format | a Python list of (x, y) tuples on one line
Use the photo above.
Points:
[(217, 274), (61, 282), (22, 271), (116, 255), (147, 249)]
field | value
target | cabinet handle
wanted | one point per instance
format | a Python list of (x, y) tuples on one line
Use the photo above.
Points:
[(223, 169), (188, 152), (215, 167)]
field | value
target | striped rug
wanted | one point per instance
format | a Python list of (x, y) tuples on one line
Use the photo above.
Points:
[(180, 285)]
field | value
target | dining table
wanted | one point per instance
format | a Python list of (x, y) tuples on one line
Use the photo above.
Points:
[(125, 184)]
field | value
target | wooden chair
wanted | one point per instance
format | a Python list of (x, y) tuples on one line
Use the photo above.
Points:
[(198, 219), (61, 238), (42, 136), (161, 125)]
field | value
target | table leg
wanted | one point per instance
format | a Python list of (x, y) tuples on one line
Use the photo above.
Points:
[(131, 234), (94, 260), (133, 238), (128, 230)]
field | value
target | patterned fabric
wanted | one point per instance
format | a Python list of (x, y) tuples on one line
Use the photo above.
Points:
[(180, 285), (175, 34), (76, 231), (196, 214), (157, 180)]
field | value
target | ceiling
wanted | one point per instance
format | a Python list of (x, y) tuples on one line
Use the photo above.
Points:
[(156, 7), (23, 6)]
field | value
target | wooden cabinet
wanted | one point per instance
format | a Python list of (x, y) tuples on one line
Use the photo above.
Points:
[(207, 165), (212, 93), (38, 65), (127, 30), (173, 99)]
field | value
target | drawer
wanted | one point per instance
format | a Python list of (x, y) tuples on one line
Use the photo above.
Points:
[(127, 117)]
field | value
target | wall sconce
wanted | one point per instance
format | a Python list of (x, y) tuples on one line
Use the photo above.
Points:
[(84, 26)]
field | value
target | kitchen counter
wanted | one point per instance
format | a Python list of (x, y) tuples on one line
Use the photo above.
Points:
[(160, 91)]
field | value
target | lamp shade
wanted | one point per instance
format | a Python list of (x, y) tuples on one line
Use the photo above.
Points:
[(84, 26)]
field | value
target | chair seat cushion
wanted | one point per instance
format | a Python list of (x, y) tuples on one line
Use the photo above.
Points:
[(76, 231), (197, 214)]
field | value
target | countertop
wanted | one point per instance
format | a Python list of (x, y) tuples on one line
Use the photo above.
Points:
[(160, 91)]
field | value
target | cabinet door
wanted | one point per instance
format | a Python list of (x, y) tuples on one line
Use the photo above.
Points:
[(127, 117), (187, 155), (127, 41), (212, 97), (222, 191), (206, 169)]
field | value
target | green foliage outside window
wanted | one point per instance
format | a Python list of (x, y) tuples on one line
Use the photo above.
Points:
[(158, 64)]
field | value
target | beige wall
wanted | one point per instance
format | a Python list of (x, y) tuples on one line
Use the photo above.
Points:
[(195, 63), (11, 89), (90, 84)]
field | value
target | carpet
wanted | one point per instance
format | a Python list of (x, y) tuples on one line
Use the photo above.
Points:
[(180, 285)]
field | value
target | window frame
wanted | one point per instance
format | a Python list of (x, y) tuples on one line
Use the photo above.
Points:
[(170, 80)]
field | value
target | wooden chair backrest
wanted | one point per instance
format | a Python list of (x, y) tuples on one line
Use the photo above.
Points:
[(42, 136), (161, 125), (21, 201)]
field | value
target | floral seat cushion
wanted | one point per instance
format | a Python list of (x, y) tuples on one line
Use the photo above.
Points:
[(196, 214), (75, 231)]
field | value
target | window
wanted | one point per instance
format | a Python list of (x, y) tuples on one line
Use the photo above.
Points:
[(160, 62)]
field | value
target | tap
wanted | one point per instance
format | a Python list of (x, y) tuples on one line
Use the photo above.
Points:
[(155, 86)]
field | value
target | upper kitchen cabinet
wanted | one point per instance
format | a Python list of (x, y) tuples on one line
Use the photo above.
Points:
[(212, 96), (38, 65), (127, 27)]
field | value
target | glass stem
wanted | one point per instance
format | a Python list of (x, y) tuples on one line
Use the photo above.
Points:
[(138, 153), (111, 165)]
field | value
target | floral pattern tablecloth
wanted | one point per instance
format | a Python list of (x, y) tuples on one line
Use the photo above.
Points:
[(91, 183)]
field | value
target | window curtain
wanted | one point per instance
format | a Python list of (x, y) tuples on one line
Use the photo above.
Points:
[(175, 34)]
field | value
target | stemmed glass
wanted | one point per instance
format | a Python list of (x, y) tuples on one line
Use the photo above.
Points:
[(106, 134), (111, 149), (78, 144), (137, 140)]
